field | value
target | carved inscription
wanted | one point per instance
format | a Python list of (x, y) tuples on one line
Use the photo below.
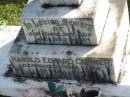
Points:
[(62, 31), (56, 68)]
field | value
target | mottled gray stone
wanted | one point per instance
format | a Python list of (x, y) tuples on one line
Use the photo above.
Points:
[(81, 25), (61, 2)]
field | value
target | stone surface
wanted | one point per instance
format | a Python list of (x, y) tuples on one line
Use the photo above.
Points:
[(81, 25), (9, 87), (60, 2), (82, 63)]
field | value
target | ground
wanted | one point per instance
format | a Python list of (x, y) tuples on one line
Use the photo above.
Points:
[(10, 11)]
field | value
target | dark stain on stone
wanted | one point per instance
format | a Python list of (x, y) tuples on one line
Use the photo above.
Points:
[(4, 96), (69, 52), (60, 5), (83, 93), (17, 40), (21, 70), (9, 72), (92, 93), (25, 53), (38, 73), (108, 71), (31, 73)]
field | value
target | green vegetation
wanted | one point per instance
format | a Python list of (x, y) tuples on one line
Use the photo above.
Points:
[(10, 11)]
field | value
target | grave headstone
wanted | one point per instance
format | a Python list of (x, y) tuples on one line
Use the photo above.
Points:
[(62, 62)]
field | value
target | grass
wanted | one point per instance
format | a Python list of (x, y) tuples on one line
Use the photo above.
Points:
[(10, 11)]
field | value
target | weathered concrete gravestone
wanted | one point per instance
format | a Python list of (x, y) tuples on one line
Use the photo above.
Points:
[(82, 63), (82, 25)]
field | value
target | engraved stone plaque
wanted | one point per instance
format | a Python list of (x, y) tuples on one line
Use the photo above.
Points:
[(81, 25), (57, 62)]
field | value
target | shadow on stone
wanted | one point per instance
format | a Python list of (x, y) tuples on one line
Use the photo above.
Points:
[(92, 93)]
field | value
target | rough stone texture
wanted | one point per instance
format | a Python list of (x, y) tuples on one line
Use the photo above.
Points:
[(82, 63), (60, 2), (81, 25), (9, 87)]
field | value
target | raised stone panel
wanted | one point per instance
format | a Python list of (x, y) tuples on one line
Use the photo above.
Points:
[(60, 2), (81, 25)]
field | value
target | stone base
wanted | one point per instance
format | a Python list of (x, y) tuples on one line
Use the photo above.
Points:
[(13, 87), (61, 2), (82, 25)]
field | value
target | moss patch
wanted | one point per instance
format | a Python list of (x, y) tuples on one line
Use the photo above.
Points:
[(10, 11)]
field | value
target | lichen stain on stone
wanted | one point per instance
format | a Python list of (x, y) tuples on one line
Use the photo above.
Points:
[(69, 52)]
